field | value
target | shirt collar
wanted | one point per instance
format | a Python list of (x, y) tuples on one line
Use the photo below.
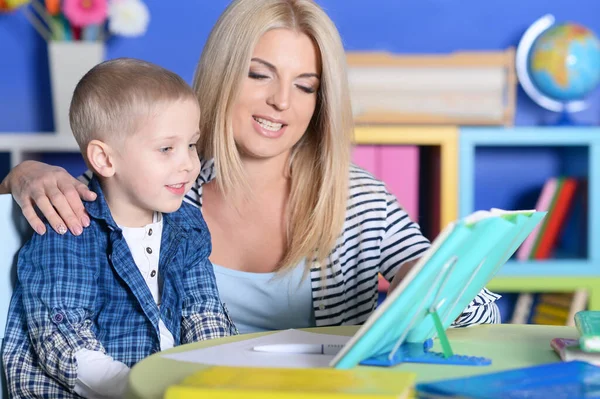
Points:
[(99, 209)]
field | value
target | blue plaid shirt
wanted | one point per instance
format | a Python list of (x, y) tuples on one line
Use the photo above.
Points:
[(85, 291)]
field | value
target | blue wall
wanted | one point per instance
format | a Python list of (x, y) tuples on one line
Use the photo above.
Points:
[(178, 30)]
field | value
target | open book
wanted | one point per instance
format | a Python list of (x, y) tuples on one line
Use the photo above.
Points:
[(461, 261)]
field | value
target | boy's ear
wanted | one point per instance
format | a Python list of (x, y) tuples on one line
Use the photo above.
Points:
[(101, 158)]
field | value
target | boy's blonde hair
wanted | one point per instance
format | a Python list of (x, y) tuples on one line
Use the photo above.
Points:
[(114, 98), (319, 166)]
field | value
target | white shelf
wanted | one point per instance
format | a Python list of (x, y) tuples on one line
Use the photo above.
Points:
[(20, 146)]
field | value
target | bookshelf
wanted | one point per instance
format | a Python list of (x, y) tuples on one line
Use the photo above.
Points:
[(554, 151), (469, 158), (444, 137)]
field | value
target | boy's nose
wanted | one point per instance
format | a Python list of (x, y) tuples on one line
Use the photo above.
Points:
[(188, 161)]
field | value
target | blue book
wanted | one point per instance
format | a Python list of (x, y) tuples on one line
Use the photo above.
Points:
[(563, 380)]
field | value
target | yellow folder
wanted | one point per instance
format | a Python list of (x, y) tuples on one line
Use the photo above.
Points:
[(221, 382)]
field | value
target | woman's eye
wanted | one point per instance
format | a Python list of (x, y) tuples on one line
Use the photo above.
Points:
[(165, 149), (193, 146), (306, 89), (254, 75)]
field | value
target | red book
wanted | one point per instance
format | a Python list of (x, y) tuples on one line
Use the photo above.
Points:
[(556, 219)]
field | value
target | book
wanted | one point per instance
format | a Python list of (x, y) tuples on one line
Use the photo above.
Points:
[(568, 349), (587, 323), (555, 380), (522, 308), (559, 308), (284, 383), (556, 218), (543, 204)]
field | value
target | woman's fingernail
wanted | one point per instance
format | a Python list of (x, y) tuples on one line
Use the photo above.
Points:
[(85, 221), (77, 230), (61, 229), (41, 230)]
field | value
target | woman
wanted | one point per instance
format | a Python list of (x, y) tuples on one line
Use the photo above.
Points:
[(299, 235)]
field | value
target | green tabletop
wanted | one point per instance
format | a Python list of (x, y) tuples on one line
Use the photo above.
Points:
[(508, 345)]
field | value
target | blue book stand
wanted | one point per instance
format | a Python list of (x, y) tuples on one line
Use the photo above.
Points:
[(461, 261)]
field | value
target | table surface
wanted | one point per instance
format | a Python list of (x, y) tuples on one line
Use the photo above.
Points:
[(508, 345)]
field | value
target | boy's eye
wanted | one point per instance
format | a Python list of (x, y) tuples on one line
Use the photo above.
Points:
[(165, 149)]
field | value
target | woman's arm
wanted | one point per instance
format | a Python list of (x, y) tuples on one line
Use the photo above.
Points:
[(402, 272), (401, 249), (53, 191)]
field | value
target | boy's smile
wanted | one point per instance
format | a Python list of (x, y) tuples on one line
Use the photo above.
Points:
[(178, 189)]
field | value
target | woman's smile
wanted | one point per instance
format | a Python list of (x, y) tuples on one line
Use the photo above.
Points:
[(268, 127)]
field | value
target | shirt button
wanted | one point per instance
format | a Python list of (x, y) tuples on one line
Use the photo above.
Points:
[(149, 232), (58, 318), (153, 273), (322, 306), (149, 250)]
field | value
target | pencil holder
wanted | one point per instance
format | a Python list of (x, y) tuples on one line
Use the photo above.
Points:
[(68, 62)]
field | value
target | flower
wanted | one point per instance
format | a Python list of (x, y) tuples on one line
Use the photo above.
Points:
[(85, 12), (128, 17), (10, 5), (85, 20)]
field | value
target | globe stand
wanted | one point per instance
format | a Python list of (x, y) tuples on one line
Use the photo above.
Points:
[(565, 119)]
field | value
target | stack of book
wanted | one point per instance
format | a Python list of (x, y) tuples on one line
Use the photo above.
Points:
[(587, 347), (556, 309)]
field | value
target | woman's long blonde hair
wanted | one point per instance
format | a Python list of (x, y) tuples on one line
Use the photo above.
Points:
[(319, 165)]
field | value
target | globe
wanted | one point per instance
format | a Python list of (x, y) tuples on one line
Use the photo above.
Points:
[(558, 65)]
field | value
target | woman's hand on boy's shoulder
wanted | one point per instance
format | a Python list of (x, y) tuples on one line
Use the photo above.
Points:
[(54, 192)]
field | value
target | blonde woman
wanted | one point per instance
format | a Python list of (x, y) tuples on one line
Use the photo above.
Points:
[(299, 235)]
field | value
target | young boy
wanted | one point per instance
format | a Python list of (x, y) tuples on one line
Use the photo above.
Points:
[(89, 307)]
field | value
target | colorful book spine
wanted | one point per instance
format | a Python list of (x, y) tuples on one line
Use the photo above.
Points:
[(556, 219), (544, 225), (543, 204)]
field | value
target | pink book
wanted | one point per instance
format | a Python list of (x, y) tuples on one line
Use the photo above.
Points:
[(398, 167), (400, 172), (543, 204)]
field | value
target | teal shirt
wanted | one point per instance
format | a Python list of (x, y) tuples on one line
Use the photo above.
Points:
[(266, 301)]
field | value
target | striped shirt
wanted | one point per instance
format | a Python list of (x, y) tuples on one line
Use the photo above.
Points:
[(378, 237)]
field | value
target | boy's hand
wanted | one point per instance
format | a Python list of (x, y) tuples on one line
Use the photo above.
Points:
[(56, 193)]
